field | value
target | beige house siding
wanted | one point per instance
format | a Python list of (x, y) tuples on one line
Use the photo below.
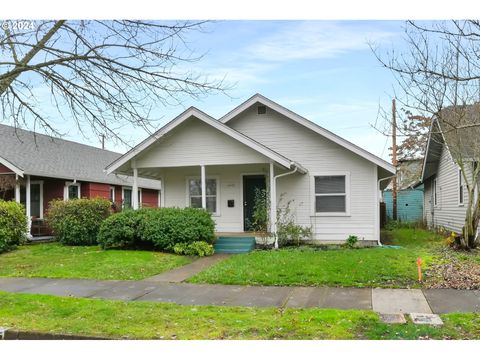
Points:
[(195, 142), (319, 156)]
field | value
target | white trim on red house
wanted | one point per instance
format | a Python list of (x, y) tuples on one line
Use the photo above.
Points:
[(308, 124), (200, 115), (11, 166), (67, 185)]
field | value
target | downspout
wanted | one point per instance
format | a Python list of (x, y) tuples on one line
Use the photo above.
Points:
[(378, 189), (274, 225)]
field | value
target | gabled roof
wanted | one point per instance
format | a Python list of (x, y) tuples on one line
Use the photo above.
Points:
[(25, 152), (200, 115), (258, 98), (457, 128)]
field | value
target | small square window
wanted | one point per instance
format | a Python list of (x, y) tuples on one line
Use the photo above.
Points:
[(262, 109)]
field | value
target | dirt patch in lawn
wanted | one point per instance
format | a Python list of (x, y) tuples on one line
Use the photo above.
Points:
[(455, 271)]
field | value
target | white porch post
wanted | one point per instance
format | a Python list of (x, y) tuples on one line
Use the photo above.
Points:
[(273, 205), (135, 189), (17, 190), (204, 187), (28, 207)]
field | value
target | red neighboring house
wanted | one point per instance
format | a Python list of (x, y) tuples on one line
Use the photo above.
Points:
[(53, 168)]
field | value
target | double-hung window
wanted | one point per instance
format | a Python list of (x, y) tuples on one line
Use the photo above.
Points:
[(331, 194), (195, 193)]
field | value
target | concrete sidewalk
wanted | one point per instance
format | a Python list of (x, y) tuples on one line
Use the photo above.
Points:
[(388, 301)]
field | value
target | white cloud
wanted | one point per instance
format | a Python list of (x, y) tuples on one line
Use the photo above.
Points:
[(316, 40)]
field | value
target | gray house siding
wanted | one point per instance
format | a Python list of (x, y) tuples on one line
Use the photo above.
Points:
[(448, 213)]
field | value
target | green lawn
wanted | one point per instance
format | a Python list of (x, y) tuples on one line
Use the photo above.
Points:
[(54, 260), (367, 267), (147, 320)]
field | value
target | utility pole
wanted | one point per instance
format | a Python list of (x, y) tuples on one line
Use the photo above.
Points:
[(103, 141), (394, 159)]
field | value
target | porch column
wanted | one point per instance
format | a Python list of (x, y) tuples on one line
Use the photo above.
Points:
[(204, 187), (273, 204), (28, 207), (17, 190), (135, 189)]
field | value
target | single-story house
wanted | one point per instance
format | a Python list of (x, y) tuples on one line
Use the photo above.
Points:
[(48, 168), (446, 193), (217, 164), (409, 194)]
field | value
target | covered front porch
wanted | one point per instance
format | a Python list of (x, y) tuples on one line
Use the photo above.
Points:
[(226, 191)]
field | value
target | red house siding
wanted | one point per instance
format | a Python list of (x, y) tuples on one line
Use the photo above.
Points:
[(4, 169), (149, 198), (93, 190), (52, 189)]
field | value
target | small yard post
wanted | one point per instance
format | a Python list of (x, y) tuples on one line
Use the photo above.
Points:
[(204, 187), (135, 189)]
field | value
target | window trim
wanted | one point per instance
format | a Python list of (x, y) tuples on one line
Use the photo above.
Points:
[(187, 190), (112, 199), (131, 200), (39, 182), (460, 184), (347, 194), (67, 185), (435, 192)]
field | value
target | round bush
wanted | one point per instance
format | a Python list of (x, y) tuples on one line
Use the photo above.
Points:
[(121, 230), (77, 221), (166, 227), (13, 225)]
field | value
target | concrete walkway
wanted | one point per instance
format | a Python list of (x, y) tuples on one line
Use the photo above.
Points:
[(184, 272), (387, 301)]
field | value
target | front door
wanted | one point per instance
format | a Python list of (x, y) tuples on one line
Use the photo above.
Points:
[(250, 183)]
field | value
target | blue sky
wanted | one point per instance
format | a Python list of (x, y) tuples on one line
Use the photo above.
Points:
[(323, 70)]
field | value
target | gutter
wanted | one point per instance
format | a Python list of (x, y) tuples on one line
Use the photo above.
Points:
[(274, 196), (378, 189)]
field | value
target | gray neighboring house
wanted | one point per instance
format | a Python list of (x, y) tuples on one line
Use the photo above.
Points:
[(445, 194)]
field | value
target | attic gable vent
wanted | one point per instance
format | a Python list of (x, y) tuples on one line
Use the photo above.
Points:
[(262, 109)]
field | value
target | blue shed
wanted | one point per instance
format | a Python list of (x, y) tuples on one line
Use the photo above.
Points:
[(409, 204)]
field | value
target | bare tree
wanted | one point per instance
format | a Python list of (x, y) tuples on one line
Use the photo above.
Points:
[(438, 76), (99, 74)]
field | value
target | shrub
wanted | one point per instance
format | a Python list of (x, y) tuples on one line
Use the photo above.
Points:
[(351, 241), (196, 248), (166, 227), (77, 221), (120, 230), (160, 229), (13, 225)]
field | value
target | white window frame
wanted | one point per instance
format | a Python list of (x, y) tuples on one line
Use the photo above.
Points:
[(113, 197), (435, 192), (460, 185), (40, 182), (187, 191), (67, 185), (131, 189), (347, 193)]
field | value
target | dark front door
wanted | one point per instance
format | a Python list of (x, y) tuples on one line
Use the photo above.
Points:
[(250, 183)]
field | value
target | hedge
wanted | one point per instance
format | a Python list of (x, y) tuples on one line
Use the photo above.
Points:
[(160, 229), (77, 221), (13, 225)]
